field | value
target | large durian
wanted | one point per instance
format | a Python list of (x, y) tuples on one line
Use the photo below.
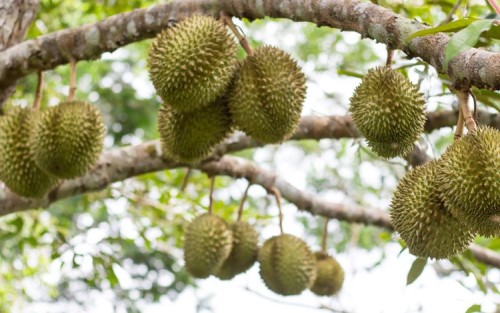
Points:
[(469, 180), (421, 218), (207, 244), (189, 137), (330, 275), (68, 139), (267, 95), (18, 169), (244, 252), (388, 111), (287, 265), (192, 63)]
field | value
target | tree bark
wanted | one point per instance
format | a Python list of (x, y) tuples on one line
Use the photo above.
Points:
[(15, 18)]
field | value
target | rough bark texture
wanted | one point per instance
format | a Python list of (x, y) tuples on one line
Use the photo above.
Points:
[(471, 67), (15, 18)]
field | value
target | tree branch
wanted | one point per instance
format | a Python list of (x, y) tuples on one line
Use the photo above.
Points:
[(471, 67)]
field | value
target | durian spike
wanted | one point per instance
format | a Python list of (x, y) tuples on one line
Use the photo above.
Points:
[(324, 237), (226, 19), (460, 125), (242, 203), (463, 102), (38, 94), (72, 79), (211, 195), (277, 195)]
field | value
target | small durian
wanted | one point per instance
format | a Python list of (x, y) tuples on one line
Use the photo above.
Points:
[(18, 169), (189, 137), (244, 252), (388, 110), (267, 95), (192, 63), (68, 139), (330, 277), (469, 180), (287, 265), (421, 218), (207, 244)]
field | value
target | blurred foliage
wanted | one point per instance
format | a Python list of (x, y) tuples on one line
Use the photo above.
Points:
[(127, 240)]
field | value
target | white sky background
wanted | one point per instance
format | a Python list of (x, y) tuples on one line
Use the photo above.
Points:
[(381, 289)]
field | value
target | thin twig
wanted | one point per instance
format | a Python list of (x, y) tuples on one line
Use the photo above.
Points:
[(463, 102), (390, 55), (460, 126), (242, 203), (211, 195), (38, 94), (72, 80), (325, 233), (476, 117), (185, 181), (226, 19), (277, 195), (449, 17)]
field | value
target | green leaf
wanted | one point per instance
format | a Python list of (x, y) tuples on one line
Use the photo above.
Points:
[(474, 308), (416, 269), (489, 98), (465, 39), (448, 27)]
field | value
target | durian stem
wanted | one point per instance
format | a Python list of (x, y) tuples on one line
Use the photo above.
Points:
[(72, 80), (38, 94), (242, 203), (390, 55), (185, 181), (226, 19), (277, 195), (325, 232), (460, 126), (463, 100), (211, 195)]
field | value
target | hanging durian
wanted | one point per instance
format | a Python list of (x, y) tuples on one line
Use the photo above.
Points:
[(207, 244), (68, 139), (388, 111), (330, 275), (267, 95), (287, 265), (192, 63), (18, 169), (469, 180), (421, 218)]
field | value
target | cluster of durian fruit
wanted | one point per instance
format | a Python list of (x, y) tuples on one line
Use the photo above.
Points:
[(40, 148), (208, 93), (287, 264), (438, 207)]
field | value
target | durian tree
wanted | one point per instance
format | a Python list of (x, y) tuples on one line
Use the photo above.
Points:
[(389, 160)]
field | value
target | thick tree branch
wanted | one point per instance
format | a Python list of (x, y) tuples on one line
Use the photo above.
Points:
[(471, 67)]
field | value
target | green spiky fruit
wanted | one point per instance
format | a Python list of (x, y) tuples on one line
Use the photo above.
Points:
[(287, 265), (267, 95), (189, 137), (469, 180), (18, 169), (192, 63), (207, 244), (244, 252), (388, 111), (330, 276), (421, 218), (68, 139)]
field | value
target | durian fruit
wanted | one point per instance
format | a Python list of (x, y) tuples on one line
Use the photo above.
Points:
[(68, 139), (422, 219), (192, 63), (330, 277), (287, 265), (469, 180), (18, 169), (207, 244), (388, 111), (189, 137), (244, 252), (267, 95)]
